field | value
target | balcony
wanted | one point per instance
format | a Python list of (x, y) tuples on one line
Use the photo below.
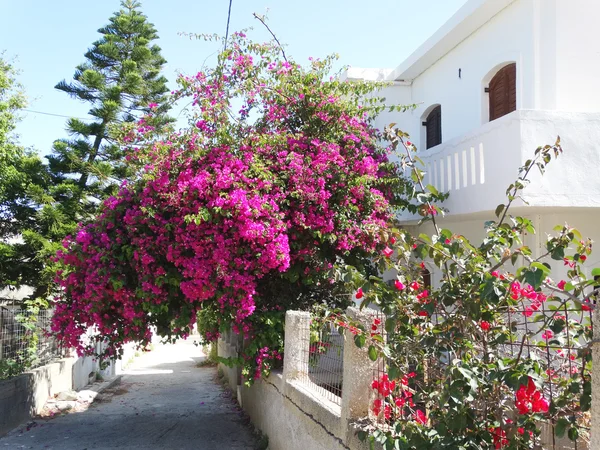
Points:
[(476, 168)]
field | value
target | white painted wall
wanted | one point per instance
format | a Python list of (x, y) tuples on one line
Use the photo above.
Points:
[(577, 53), (555, 43), (544, 220)]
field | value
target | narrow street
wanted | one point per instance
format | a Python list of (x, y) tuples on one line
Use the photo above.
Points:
[(165, 401)]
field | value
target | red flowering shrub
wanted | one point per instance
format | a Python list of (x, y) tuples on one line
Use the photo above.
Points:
[(495, 347), (242, 216)]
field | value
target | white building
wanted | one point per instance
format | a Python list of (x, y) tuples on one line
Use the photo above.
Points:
[(499, 79)]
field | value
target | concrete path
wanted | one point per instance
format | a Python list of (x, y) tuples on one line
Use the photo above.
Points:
[(163, 402)]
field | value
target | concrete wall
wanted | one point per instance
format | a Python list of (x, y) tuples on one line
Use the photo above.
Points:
[(289, 409), (25, 395)]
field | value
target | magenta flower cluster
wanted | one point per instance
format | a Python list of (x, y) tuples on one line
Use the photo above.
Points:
[(225, 203)]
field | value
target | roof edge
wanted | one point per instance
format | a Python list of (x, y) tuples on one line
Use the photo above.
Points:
[(468, 19)]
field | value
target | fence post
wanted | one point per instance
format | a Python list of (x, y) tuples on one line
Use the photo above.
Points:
[(294, 362), (358, 371), (595, 431)]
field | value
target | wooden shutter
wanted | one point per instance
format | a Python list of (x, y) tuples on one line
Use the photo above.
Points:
[(503, 92), (434, 127)]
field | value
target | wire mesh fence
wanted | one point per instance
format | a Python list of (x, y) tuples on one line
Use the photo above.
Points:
[(322, 358), (24, 341)]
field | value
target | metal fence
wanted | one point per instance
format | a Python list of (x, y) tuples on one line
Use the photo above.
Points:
[(323, 355), (24, 341)]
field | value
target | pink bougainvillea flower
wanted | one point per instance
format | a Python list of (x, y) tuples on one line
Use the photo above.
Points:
[(415, 286), (399, 285), (388, 252), (359, 294), (392, 240), (561, 284)]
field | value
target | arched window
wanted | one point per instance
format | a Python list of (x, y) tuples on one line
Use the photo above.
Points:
[(433, 127), (503, 92)]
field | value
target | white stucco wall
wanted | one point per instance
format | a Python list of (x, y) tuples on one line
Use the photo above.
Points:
[(544, 219), (578, 54), (555, 44)]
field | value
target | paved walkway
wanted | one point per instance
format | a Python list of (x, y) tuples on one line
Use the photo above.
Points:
[(163, 402)]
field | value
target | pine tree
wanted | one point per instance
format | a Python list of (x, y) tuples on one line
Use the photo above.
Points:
[(121, 80)]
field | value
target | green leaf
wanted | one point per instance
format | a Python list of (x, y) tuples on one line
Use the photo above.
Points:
[(499, 210), (360, 340), (573, 433), (373, 353), (596, 272), (561, 427), (534, 278)]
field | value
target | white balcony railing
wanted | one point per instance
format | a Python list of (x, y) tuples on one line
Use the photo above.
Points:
[(477, 167)]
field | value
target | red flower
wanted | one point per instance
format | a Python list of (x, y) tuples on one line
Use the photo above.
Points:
[(359, 293), (447, 241), (388, 252), (415, 286), (399, 285), (561, 284), (387, 411), (586, 307), (485, 326), (529, 400), (376, 406), (582, 258), (392, 240), (547, 335), (377, 321), (569, 262), (420, 417), (423, 314)]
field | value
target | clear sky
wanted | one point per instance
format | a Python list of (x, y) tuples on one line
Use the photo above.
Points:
[(45, 40)]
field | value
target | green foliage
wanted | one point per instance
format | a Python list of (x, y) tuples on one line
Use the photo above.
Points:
[(477, 377), (23, 182)]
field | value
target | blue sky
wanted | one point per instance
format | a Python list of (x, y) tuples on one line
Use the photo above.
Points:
[(46, 40)]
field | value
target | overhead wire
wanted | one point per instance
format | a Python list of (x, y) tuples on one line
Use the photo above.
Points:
[(55, 115)]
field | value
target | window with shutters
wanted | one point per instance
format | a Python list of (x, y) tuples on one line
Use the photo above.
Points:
[(503, 92), (433, 127)]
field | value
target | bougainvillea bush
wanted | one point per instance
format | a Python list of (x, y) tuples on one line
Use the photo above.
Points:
[(497, 348), (239, 217)]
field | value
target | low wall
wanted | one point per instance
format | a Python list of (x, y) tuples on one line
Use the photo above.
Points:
[(292, 411), (24, 396)]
